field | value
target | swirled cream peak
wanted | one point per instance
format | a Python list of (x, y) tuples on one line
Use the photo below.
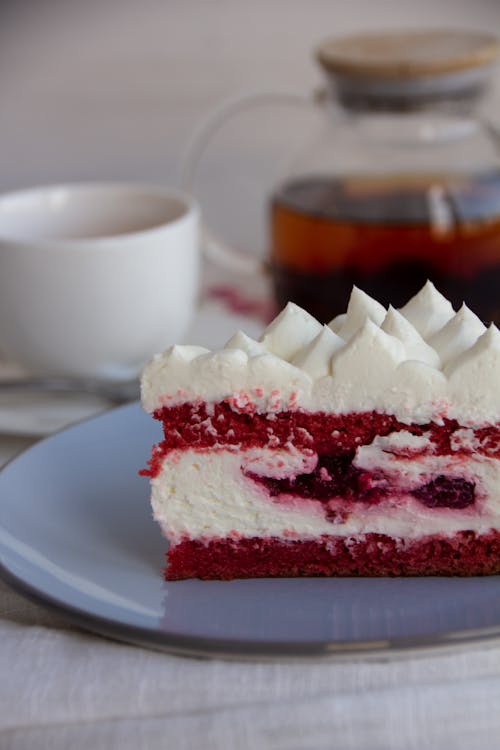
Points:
[(424, 362), (337, 322), (361, 307), (473, 377), (364, 363), (293, 329), (397, 325), (315, 358), (240, 340), (428, 310), (458, 335)]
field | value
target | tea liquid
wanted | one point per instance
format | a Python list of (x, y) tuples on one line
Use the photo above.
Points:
[(387, 236)]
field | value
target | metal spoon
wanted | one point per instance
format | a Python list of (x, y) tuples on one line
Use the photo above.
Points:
[(116, 392)]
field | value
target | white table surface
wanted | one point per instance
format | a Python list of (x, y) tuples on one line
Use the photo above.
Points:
[(108, 89)]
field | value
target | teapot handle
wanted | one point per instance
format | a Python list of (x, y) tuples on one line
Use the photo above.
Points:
[(214, 247)]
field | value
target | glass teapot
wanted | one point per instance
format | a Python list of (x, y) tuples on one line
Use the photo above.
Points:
[(403, 184)]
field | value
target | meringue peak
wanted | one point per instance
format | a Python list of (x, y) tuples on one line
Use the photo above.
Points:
[(397, 325), (368, 356), (428, 310), (316, 356), (240, 340), (290, 331), (473, 376), (361, 307), (459, 334)]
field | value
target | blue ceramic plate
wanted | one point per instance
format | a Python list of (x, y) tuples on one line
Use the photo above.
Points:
[(76, 534)]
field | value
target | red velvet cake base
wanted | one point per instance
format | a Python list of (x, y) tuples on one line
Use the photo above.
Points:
[(464, 554)]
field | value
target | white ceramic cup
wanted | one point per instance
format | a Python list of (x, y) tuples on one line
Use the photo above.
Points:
[(95, 278)]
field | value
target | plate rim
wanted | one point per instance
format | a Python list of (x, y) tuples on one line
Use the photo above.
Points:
[(243, 650), (224, 648)]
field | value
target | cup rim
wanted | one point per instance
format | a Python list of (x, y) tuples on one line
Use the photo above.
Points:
[(190, 210)]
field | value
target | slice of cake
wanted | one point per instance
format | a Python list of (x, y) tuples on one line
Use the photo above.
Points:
[(370, 446)]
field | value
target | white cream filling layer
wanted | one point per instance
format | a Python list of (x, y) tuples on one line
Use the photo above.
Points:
[(202, 494)]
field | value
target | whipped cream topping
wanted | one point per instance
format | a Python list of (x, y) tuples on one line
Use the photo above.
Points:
[(424, 362)]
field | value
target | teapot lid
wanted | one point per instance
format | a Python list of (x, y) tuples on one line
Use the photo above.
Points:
[(408, 68), (408, 54)]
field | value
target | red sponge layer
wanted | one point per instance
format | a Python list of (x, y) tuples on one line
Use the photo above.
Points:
[(464, 554), (204, 427)]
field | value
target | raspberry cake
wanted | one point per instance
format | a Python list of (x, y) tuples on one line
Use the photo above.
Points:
[(370, 446)]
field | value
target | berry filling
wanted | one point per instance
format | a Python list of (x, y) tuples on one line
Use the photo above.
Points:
[(334, 476), (446, 492), (337, 477)]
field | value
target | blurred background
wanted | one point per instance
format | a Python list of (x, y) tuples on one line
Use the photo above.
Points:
[(113, 89)]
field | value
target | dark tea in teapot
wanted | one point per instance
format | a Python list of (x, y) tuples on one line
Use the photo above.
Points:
[(387, 235), (403, 183)]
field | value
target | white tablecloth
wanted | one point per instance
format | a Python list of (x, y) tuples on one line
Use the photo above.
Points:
[(63, 688)]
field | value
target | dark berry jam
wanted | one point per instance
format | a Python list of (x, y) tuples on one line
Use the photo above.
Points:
[(337, 477), (334, 476), (446, 492)]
